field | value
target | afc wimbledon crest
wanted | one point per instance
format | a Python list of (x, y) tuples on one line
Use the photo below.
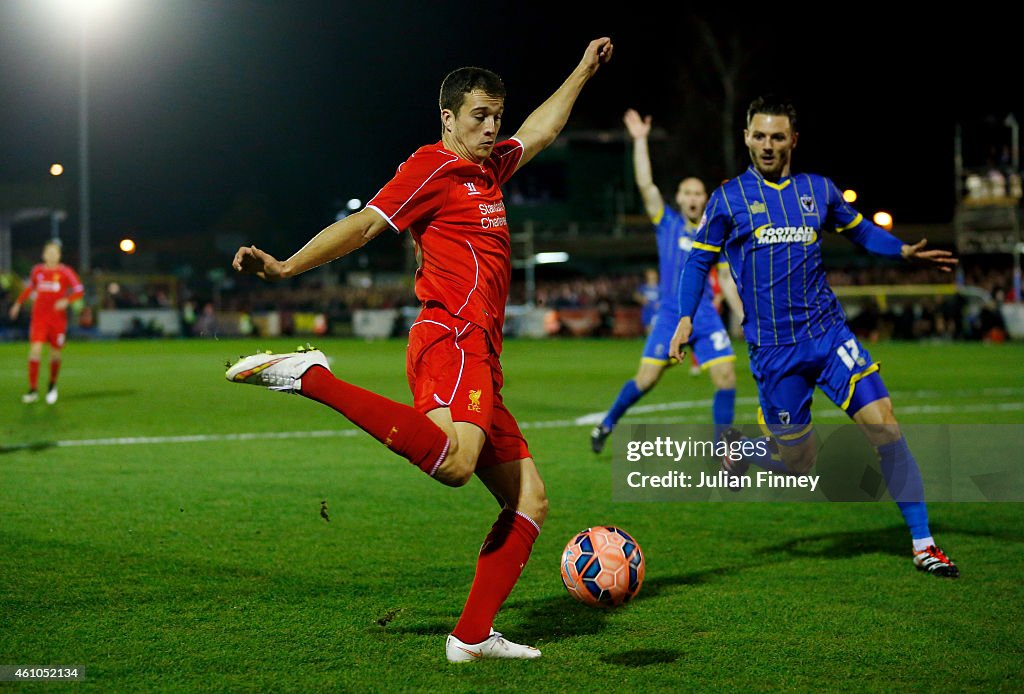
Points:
[(807, 202)]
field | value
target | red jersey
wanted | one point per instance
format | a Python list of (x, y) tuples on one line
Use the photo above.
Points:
[(454, 210), (49, 284)]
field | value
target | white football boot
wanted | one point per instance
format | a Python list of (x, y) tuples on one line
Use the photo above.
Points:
[(30, 397), (282, 372), (494, 646), (51, 395)]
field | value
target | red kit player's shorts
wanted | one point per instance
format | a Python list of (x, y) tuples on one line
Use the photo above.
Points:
[(50, 329), (450, 364)]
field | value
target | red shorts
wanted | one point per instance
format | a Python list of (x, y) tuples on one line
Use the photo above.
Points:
[(450, 364), (52, 330)]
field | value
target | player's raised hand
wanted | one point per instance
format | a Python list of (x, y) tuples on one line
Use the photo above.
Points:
[(14, 311), (677, 345), (253, 261), (916, 252), (597, 54), (638, 127)]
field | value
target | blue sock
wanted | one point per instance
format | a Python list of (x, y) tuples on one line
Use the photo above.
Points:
[(629, 394), (722, 409), (903, 478)]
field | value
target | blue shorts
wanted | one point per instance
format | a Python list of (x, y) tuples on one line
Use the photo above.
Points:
[(786, 376), (647, 314), (709, 341)]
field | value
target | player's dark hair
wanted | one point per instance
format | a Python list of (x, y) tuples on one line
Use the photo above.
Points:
[(771, 105), (464, 80)]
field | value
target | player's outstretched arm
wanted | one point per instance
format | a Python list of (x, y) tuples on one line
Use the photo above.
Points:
[(335, 241), (639, 129), (543, 125), (916, 253), (878, 241)]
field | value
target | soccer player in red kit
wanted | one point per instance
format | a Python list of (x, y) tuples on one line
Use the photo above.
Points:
[(448, 196), (54, 286)]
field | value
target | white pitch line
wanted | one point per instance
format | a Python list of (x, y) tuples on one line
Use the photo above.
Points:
[(593, 418), (839, 414), (204, 438), (584, 421)]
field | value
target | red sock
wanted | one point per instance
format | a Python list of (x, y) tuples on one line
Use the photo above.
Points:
[(502, 558), (33, 374), (54, 370), (407, 432)]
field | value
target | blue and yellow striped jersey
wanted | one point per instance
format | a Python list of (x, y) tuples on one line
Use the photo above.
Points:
[(770, 234), (675, 236)]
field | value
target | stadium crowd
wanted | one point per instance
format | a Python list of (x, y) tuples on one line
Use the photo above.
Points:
[(872, 317)]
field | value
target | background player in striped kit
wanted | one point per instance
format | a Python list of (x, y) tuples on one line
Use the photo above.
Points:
[(768, 223), (674, 231)]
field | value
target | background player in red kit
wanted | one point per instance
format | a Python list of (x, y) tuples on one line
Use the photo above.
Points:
[(448, 196), (54, 286)]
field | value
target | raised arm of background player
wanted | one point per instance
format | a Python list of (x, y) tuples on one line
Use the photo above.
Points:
[(639, 128), (341, 238), (841, 216)]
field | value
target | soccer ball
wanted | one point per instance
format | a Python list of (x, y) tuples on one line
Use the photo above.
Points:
[(603, 567)]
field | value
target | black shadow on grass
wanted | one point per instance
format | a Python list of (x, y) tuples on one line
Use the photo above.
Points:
[(34, 446), (539, 621), (642, 657), (547, 620), (892, 540), (844, 545), (653, 587)]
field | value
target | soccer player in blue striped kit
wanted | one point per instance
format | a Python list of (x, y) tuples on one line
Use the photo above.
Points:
[(767, 223), (674, 232)]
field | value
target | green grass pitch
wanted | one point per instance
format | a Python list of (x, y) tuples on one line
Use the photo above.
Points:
[(198, 559)]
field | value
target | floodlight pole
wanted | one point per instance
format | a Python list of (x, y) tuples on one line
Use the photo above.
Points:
[(85, 252)]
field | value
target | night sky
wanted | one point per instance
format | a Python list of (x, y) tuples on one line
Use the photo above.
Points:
[(216, 115)]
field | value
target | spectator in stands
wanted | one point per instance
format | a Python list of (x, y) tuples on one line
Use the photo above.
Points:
[(991, 326), (206, 323)]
